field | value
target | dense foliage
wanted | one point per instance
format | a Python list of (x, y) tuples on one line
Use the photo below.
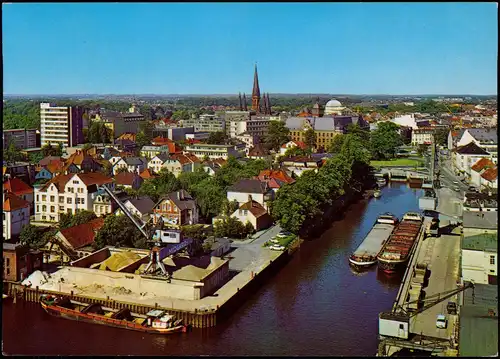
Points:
[(277, 135), (36, 237), (385, 140), (233, 228), (67, 220), (119, 231), (304, 199)]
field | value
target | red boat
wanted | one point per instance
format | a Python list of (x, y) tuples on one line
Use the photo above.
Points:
[(397, 249), (156, 321)]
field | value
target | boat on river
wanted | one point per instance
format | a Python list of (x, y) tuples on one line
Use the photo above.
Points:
[(398, 247), (155, 321), (381, 182), (377, 193), (366, 254)]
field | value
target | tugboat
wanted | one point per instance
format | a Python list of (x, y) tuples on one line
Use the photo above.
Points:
[(155, 321)]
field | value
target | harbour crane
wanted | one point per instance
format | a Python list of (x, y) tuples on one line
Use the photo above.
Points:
[(156, 236), (431, 300)]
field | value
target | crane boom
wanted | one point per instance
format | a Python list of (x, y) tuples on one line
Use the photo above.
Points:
[(127, 213), (434, 299)]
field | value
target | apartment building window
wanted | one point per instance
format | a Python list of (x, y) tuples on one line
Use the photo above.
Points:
[(61, 199), (69, 210), (492, 260), (80, 190), (69, 201), (75, 182), (44, 197), (44, 208), (52, 209), (52, 198), (37, 197), (38, 208)]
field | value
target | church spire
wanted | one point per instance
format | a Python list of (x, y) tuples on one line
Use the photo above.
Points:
[(255, 91), (244, 102), (264, 105), (239, 98), (268, 104)]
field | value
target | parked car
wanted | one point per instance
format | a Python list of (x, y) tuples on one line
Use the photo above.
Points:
[(275, 247), (456, 182), (274, 240), (441, 321), (451, 308), (456, 189), (472, 189), (283, 234)]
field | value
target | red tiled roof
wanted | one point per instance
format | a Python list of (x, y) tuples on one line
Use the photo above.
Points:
[(94, 178), (45, 161), (481, 164), (277, 174), (13, 202), (127, 136), (490, 174), (147, 174), (185, 158), (255, 208), (55, 166), (299, 144), (16, 186), (125, 178), (159, 140), (83, 234), (59, 181)]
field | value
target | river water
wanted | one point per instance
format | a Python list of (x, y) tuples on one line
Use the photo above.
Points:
[(315, 305)]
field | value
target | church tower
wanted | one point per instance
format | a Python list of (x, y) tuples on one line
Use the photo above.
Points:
[(256, 92)]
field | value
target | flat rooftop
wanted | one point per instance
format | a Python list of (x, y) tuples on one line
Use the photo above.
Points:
[(479, 329), (486, 242), (483, 220)]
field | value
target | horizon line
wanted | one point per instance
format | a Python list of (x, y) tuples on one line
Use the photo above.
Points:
[(235, 95)]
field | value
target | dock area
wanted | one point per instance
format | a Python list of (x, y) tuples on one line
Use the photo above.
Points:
[(440, 256), (250, 259)]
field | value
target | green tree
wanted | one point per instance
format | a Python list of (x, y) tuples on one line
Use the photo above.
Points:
[(119, 231), (35, 157), (277, 135), (230, 227), (67, 220), (336, 144), (59, 150), (297, 151), (12, 153), (48, 150), (310, 138), (441, 136), (385, 140), (121, 170), (32, 236), (217, 138), (160, 186)]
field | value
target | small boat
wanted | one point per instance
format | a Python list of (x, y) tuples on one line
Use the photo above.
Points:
[(155, 321), (377, 193), (381, 182), (366, 254)]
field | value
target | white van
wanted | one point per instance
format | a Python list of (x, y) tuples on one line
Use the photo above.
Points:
[(441, 321)]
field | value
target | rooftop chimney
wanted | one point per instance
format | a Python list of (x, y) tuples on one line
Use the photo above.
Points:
[(249, 198)]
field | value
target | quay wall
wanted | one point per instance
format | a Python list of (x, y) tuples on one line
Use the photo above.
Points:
[(196, 318)]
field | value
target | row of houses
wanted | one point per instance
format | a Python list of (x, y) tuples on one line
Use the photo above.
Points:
[(474, 155)]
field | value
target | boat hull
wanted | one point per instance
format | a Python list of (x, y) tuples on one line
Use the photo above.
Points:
[(362, 264), (102, 320)]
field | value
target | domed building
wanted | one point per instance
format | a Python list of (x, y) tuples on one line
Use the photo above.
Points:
[(333, 107)]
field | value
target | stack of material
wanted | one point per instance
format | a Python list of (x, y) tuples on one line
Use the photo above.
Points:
[(119, 260)]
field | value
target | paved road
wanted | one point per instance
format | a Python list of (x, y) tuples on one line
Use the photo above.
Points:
[(247, 251), (443, 256)]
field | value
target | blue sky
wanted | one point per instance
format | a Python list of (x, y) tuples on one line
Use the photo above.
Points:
[(203, 48)]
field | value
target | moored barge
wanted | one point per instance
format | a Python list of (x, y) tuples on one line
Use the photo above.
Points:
[(397, 249), (155, 321), (366, 254)]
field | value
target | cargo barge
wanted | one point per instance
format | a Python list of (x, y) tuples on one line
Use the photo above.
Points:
[(397, 249), (155, 321), (366, 254)]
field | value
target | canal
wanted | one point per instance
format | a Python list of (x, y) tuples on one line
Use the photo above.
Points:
[(315, 305)]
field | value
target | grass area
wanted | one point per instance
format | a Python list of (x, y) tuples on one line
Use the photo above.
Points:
[(397, 162), (281, 241)]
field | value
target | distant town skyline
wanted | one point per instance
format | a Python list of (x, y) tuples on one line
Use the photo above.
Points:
[(210, 49)]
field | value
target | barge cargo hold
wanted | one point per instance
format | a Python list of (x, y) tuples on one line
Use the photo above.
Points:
[(397, 248), (366, 254), (155, 322)]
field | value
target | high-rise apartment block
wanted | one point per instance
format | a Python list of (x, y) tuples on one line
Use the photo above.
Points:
[(21, 138), (61, 125)]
